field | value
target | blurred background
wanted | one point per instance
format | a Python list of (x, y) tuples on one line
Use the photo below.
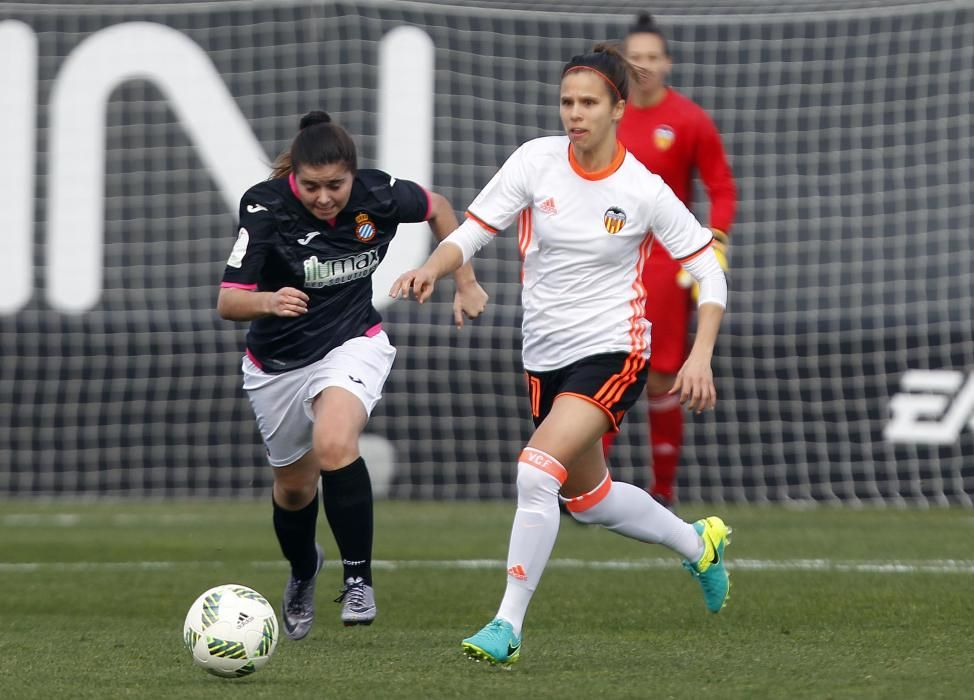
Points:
[(128, 132)]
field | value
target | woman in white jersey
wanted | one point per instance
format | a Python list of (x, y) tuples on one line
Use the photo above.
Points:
[(587, 212)]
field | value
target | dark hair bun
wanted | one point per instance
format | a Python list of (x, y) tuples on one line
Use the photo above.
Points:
[(644, 22), (315, 117)]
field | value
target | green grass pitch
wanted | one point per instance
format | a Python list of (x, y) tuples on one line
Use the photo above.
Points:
[(826, 603)]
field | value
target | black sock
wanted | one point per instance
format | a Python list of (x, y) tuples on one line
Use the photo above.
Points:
[(347, 495), (296, 533)]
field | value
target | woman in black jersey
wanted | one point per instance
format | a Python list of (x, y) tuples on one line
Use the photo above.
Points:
[(316, 359)]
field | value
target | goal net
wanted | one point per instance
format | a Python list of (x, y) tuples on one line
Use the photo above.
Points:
[(845, 363)]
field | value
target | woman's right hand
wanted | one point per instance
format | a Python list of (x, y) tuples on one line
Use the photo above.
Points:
[(287, 302), (420, 281)]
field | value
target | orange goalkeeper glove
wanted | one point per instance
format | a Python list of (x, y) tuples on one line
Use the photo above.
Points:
[(685, 279)]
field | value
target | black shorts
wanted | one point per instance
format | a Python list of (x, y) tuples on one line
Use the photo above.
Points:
[(612, 381)]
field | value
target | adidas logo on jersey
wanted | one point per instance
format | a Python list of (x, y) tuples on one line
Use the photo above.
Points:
[(548, 206)]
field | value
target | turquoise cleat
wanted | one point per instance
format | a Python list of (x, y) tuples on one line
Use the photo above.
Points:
[(496, 644), (709, 570)]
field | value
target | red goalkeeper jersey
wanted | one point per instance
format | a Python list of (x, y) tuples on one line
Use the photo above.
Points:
[(676, 137)]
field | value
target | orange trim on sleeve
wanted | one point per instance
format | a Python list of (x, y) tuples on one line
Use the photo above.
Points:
[(545, 462), (620, 155), (694, 254), (590, 499), (483, 224)]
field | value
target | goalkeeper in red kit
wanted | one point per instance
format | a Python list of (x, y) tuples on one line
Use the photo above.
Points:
[(673, 137)]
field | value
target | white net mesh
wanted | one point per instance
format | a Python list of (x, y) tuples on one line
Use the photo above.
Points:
[(850, 133)]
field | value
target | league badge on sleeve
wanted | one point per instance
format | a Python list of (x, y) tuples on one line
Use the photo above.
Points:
[(365, 230), (239, 249), (614, 219)]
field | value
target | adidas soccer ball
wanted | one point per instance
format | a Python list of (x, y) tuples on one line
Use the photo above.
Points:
[(231, 630)]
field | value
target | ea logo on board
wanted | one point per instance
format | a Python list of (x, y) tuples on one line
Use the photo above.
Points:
[(663, 137), (614, 219), (364, 228)]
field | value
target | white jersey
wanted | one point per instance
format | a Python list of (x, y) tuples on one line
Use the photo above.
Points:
[(584, 238)]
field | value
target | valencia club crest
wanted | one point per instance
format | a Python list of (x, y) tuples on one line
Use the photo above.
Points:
[(365, 230), (614, 219), (663, 137)]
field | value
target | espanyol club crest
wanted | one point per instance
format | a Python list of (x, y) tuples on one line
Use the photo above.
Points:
[(663, 137), (364, 228), (614, 219)]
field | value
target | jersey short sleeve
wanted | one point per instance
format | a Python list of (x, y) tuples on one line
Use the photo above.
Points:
[(412, 201), (254, 238), (507, 193), (675, 227)]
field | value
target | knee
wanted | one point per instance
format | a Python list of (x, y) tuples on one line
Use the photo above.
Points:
[(334, 452), (536, 488), (586, 517), (294, 494), (657, 383)]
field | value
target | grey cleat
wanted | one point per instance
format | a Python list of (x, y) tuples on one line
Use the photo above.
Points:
[(298, 607), (358, 602)]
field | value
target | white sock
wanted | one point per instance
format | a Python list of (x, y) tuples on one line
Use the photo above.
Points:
[(539, 477), (632, 512)]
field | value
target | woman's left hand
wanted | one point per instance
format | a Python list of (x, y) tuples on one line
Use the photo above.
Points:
[(470, 301), (695, 384)]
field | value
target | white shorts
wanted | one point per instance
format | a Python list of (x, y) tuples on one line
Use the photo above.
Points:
[(282, 402)]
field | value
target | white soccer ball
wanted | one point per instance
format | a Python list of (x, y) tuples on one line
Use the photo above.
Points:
[(231, 630)]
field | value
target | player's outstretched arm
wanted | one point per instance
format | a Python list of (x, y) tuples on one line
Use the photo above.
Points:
[(244, 305), (470, 298), (421, 281)]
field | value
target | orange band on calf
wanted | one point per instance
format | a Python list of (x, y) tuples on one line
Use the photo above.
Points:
[(545, 462), (590, 499)]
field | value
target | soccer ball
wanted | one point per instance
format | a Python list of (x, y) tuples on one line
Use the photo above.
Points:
[(231, 630)]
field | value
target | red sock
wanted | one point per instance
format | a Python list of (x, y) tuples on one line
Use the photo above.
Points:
[(666, 437)]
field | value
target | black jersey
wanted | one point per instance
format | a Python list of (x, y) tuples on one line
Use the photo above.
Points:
[(282, 244)]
